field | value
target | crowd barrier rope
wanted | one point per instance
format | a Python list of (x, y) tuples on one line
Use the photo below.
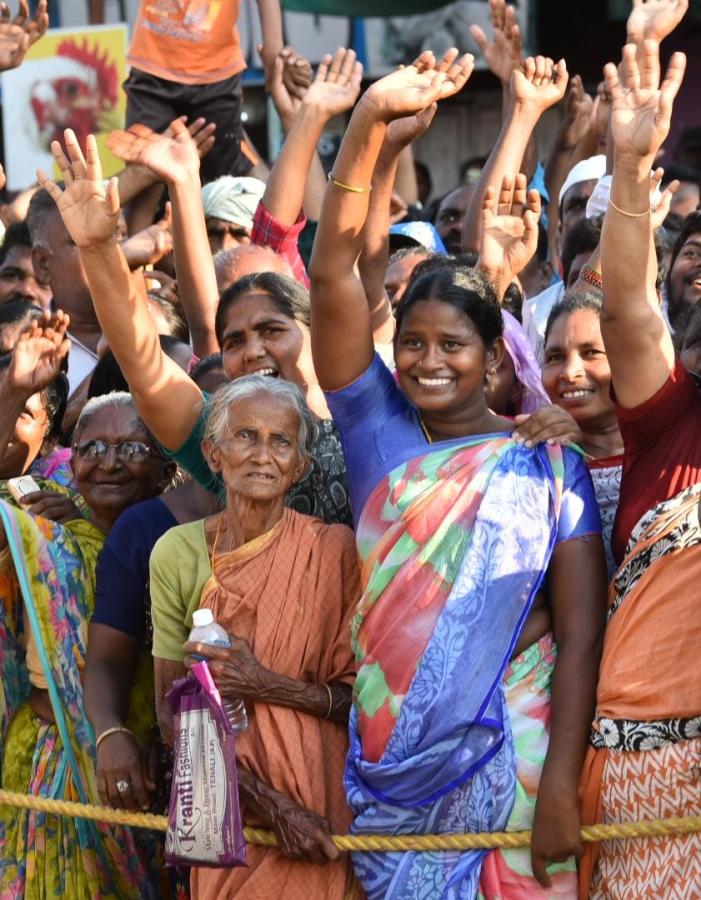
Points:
[(404, 842)]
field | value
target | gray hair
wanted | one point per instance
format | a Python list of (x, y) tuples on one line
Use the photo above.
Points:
[(219, 413), (114, 400)]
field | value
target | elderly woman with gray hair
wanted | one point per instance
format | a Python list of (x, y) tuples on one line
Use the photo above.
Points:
[(284, 585)]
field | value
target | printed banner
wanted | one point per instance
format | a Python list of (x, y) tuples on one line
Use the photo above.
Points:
[(71, 78)]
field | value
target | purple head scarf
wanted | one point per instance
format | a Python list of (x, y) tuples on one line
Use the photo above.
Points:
[(527, 369)]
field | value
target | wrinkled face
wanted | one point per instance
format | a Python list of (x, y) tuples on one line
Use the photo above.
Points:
[(441, 358), (398, 275), (450, 218), (259, 339), (31, 429), (111, 484), (576, 373), (685, 277), (574, 207), (17, 278), (259, 456), (223, 235), (58, 267)]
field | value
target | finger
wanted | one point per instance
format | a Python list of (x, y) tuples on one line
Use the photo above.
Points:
[(193, 648), (22, 14), (498, 13), (489, 202), (329, 849), (648, 58), (347, 67), (112, 196), (93, 166), (480, 38), (516, 39), (561, 77), (505, 196), (102, 790), (671, 84), (62, 162), (548, 74), (4, 12), (529, 68), (518, 201), (335, 67), (539, 70), (49, 186), (612, 81), (530, 226), (447, 60), (139, 790), (35, 497), (357, 78), (425, 60), (115, 798), (75, 154), (540, 871), (629, 68), (323, 68)]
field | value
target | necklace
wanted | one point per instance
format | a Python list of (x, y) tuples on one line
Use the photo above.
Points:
[(425, 430)]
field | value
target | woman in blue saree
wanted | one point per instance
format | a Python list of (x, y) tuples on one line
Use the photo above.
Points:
[(477, 638)]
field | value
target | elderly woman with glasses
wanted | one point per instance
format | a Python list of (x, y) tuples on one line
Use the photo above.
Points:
[(47, 579), (284, 585)]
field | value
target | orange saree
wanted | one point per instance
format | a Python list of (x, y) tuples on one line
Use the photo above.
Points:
[(645, 758), (290, 593)]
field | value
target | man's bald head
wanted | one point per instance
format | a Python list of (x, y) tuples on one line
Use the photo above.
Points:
[(247, 259)]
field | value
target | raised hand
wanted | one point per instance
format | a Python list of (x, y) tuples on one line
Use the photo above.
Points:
[(601, 115), (509, 230), (409, 90), (578, 111), (39, 353), (661, 201), (642, 107), (17, 35), (654, 19), (149, 246), (173, 156), (503, 54), (3, 179), (89, 209), (539, 83), (336, 85)]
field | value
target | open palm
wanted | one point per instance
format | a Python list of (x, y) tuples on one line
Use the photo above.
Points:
[(337, 83), (642, 110), (509, 227), (39, 353), (171, 157), (89, 209), (539, 82), (18, 34)]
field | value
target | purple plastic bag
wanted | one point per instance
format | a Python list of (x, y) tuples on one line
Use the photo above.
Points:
[(204, 819)]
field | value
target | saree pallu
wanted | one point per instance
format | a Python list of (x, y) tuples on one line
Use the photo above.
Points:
[(644, 761), (448, 584), (290, 594), (51, 589)]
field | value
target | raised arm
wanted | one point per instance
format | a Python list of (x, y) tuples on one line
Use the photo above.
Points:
[(638, 344), (175, 161), (19, 33), (372, 264), (333, 91), (654, 19), (167, 399), (536, 87), (340, 310)]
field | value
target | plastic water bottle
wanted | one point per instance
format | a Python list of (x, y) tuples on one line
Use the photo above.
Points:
[(206, 631)]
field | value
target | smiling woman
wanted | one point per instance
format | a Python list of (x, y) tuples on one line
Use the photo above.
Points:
[(284, 586)]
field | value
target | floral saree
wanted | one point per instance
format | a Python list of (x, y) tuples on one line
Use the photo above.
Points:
[(448, 583), (644, 761), (49, 589)]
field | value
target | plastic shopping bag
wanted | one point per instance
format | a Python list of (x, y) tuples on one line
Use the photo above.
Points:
[(204, 819)]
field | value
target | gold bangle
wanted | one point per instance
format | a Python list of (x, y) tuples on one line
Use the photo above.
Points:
[(348, 187), (629, 214), (330, 709), (108, 731)]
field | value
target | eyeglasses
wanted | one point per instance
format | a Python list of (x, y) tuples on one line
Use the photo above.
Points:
[(127, 451)]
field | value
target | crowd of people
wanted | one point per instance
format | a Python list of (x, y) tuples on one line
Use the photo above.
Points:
[(435, 468)]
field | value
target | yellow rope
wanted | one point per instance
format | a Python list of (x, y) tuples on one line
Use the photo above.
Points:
[(625, 831)]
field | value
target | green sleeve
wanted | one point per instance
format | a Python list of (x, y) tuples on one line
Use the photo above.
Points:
[(179, 569), (191, 458)]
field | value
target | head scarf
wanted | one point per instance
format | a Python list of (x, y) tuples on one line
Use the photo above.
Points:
[(527, 369), (591, 169), (232, 199)]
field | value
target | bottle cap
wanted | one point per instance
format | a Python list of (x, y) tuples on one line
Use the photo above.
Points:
[(202, 617)]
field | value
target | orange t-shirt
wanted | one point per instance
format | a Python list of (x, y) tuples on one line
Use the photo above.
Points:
[(188, 41)]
